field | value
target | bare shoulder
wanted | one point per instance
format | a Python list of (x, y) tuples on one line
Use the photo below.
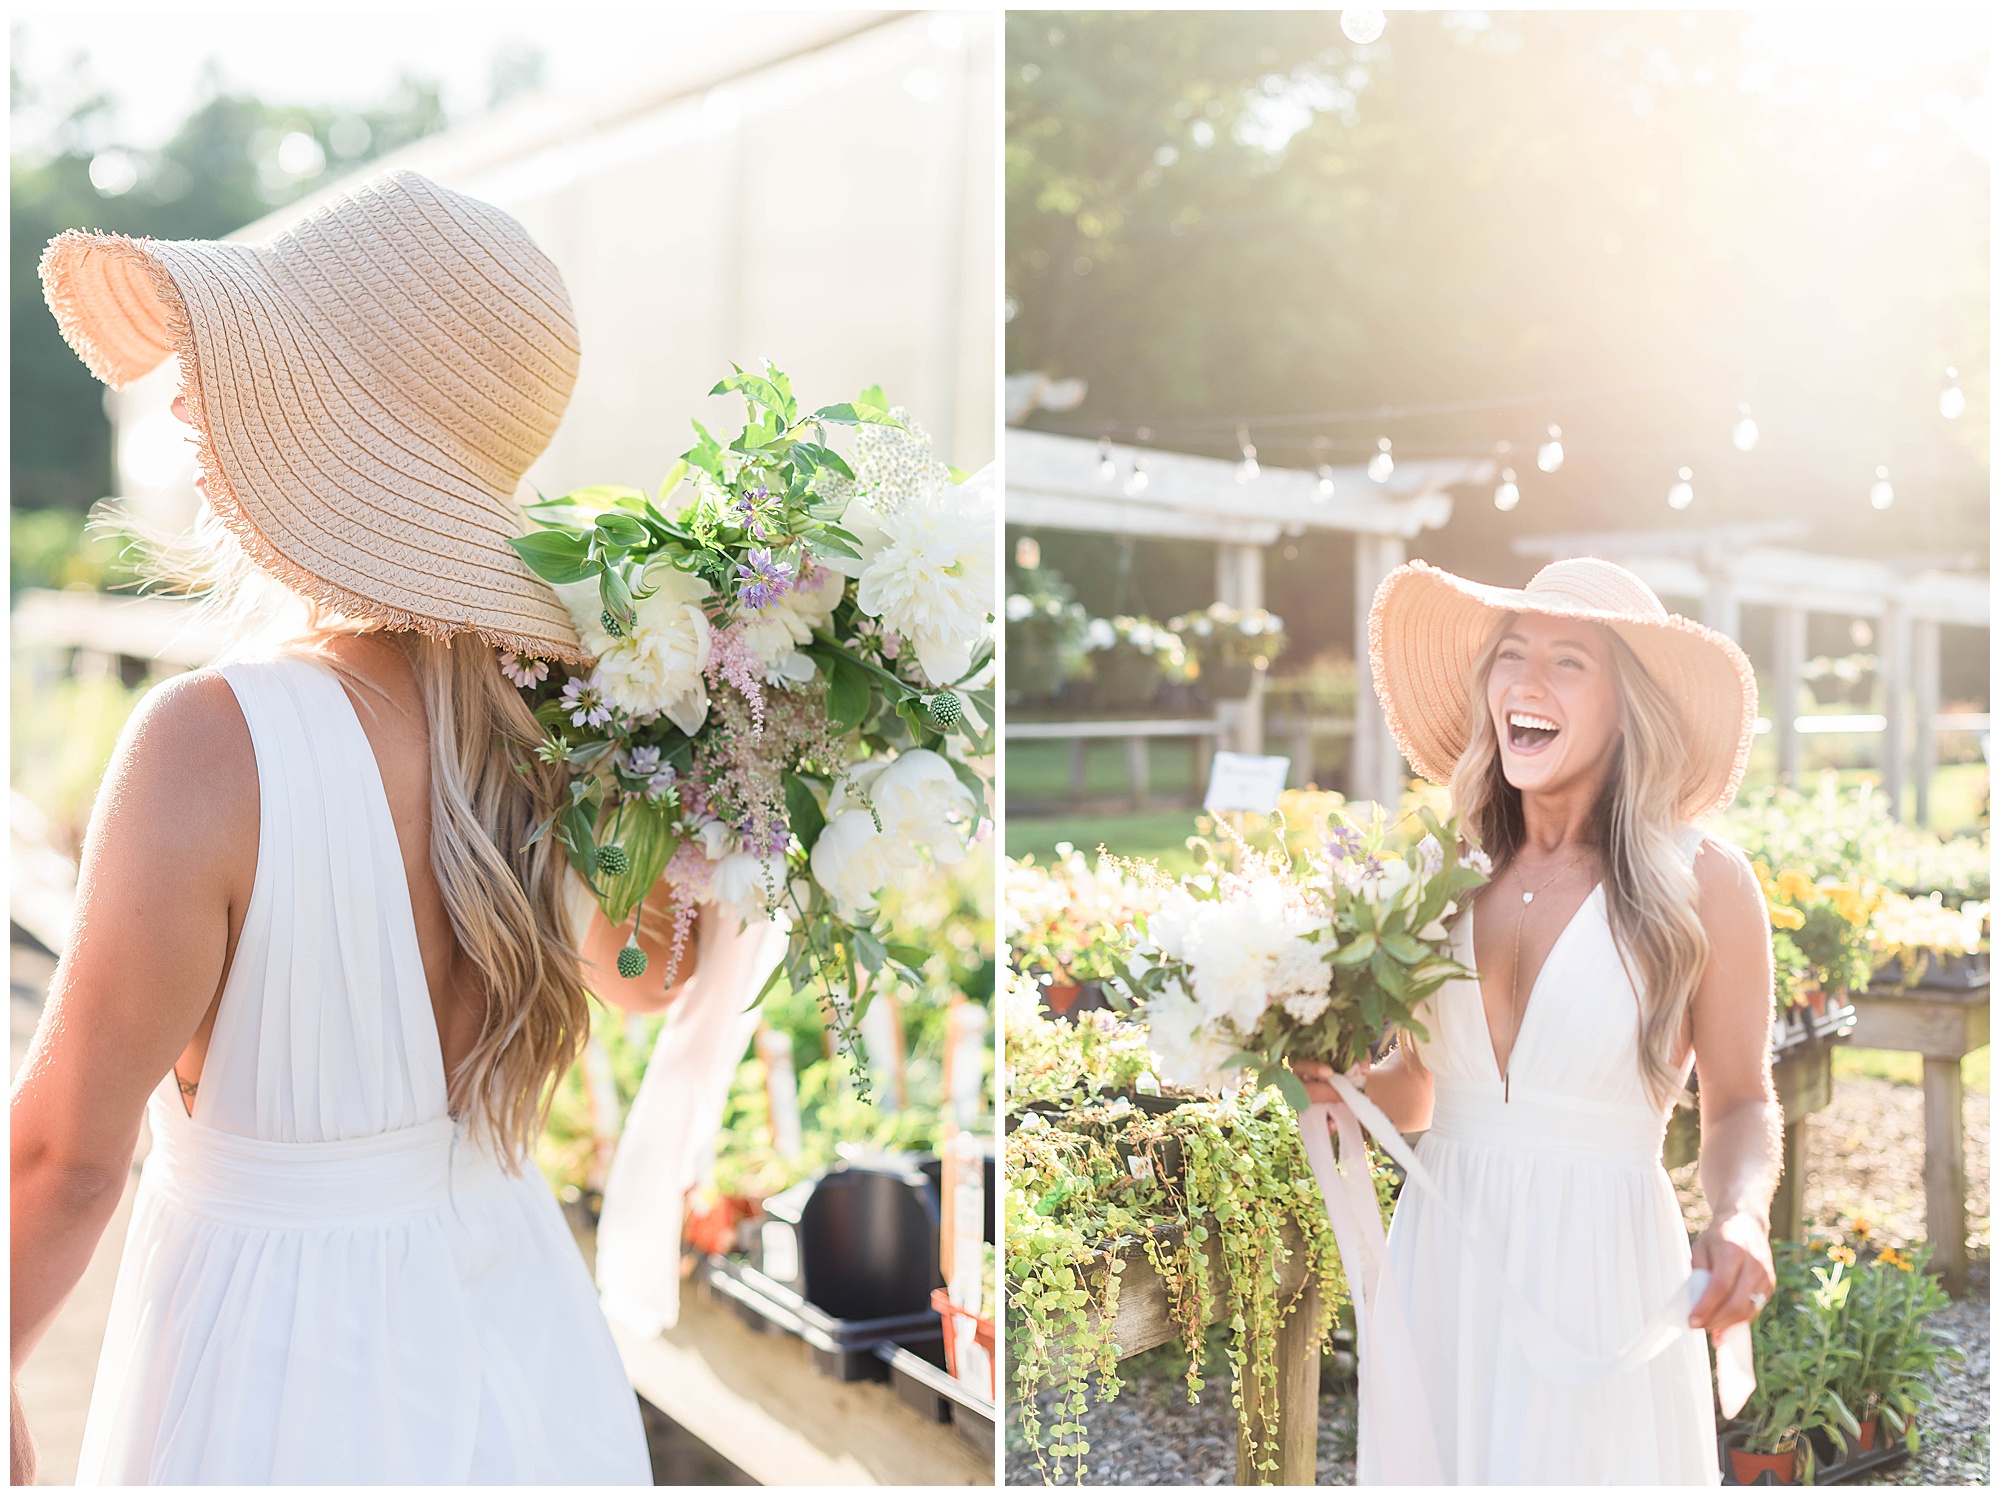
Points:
[(1729, 898), (185, 764)]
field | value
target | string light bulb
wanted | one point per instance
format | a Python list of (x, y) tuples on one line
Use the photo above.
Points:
[(1247, 469), (1136, 484), (1382, 464), (1550, 457), (1880, 494), (1362, 25), (1682, 493), (1107, 465), (1744, 434), (1508, 494), (1951, 401), (1325, 481)]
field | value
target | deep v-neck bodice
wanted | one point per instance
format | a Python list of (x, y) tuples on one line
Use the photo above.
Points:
[(1541, 974), (325, 1029), (1578, 1035)]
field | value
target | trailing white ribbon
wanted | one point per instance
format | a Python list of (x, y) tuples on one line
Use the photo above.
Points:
[(1385, 1352)]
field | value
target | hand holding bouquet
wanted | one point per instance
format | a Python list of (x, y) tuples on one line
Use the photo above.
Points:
[(1316, 957), (790, 687)]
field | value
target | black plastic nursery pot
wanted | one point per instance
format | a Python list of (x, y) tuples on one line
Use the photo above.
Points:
[(843, 1349), (920, 1380), (859, 1242), (1834, 1461)]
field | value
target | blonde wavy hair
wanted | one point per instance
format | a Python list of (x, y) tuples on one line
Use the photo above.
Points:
[(1649, 888), (507, 901)]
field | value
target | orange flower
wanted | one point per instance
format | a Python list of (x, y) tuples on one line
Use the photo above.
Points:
[(1841, 1254), (1861, 1228)]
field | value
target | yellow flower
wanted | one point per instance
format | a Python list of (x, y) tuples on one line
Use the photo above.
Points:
[(1783, 918), (1841, 1254), (1849, 902), (1861, 1229), (1795, 885)]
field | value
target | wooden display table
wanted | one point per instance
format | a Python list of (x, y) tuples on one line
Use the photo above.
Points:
[(1944, 1025), (755, 1399), (1145, 1320)]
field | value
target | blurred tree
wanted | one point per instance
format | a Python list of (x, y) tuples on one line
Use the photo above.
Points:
[(234, 160), (1216, 214)]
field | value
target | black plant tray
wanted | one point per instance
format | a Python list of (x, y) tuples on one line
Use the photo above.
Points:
[(1828, 1470), (842, 1348), (937, 1394)]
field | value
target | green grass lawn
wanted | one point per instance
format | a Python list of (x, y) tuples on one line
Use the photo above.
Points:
[(1159, 834), (1907, 1069)]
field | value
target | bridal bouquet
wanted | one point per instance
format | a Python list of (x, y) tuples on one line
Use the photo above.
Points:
[(791, 686), (1285, 957)]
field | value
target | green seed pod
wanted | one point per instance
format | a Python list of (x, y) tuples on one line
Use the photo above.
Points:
[(631, 962), (945, 709), (610, 624), (612, 861)]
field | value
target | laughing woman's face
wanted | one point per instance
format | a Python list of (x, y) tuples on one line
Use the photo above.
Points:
[(1554, 704)]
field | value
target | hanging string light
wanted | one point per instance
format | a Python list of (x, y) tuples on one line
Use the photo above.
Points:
[(1107, 466), (1744, 435), (1508, 494), (1550, 457), (1247, 469), (1362, 25), (1951, 400), (1880, 494), (1136, 484), (1682, 493), (1325, 481), (1382, 464)]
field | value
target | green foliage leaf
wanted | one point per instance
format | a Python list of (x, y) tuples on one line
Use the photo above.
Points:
[(802, 809), (847, 694), (553, 555)]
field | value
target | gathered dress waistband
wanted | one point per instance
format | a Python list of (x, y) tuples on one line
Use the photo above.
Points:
[(1582, 1129), (365, 1181)]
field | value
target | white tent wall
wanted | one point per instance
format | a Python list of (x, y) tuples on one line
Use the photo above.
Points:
[(818, 190)]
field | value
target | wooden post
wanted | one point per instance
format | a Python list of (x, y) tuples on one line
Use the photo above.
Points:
[(1297, 1372), (1302, 750), (1787, 1205), (1138, 770), (1944, 1170), (1924, 653), (1204, 753), (1239, 582), (1374, 769), (1789, 639), (1893, 650)]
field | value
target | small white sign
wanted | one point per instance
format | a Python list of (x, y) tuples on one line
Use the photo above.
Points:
[(1246, 781)]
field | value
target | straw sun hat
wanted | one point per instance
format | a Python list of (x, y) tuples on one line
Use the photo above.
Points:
[(367, 387), (1427, 626)]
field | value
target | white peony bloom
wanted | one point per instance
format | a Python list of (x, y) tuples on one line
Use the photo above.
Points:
[(927, 573), (744, 881), (657, 666), (1190, 1050), (773, 634), (922, 807)]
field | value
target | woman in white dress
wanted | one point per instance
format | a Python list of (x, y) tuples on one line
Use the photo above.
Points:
[(1583, 730), (310, 944)]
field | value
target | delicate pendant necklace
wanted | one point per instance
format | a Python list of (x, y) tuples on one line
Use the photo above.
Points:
[(1514, 981)]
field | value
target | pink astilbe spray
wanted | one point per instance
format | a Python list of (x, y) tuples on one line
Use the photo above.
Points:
[(732, 661), (688, 879)]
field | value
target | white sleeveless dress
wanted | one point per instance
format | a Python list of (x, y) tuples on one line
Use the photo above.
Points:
[(326, 1279), (1564, 1184)]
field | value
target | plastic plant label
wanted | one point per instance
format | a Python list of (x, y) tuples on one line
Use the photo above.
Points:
[(781, 1251)]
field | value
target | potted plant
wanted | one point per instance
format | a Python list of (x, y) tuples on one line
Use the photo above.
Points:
[(1129, 657), (1060, 920), (1800, 1354), (1231, 646), (1828, 921), (1045, 628), (1895, 1351)]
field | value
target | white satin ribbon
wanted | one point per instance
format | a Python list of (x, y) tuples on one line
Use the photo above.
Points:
[(1385, 1351)]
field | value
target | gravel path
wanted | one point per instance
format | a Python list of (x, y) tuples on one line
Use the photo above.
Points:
[(1865, 1155)]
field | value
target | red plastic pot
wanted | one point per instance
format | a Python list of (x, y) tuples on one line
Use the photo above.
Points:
[(1816, 1000), (982, 1331), (1865, 1440), (1746, 1467), (1061, 996)]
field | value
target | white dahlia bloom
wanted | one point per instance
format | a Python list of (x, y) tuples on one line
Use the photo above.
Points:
[(1189, 1049), (926, 571), (1250, 954), (922, 807), (656, 666)]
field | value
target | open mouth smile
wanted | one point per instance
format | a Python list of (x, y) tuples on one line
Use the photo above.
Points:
[(1528, 733)]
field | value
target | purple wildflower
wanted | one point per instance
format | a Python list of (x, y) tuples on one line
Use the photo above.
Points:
[(747, 506), (1345, 843), (526, 674), (644, 763), (585, 704), (765, 579)]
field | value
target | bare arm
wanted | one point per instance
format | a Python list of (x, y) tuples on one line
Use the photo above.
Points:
[(647, 992), (170, 850), (1741, 1120)]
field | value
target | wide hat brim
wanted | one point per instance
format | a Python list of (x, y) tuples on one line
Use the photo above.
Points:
[(1427, 627), (364, 456)]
